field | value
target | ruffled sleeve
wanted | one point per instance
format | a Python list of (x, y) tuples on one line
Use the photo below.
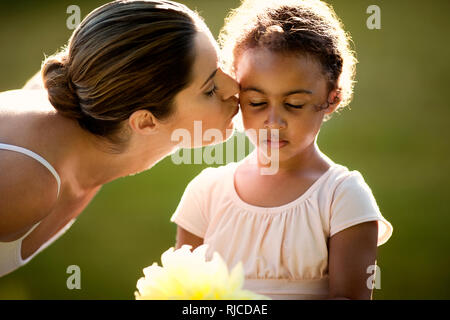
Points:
[(190, 213), (353, 203)]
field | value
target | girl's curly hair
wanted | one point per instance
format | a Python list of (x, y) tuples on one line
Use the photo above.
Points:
[(308, 27)]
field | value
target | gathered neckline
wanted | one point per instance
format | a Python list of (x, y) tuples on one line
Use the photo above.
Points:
[(278, 209)]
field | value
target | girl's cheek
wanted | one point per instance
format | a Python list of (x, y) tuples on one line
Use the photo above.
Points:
[(246, 118)]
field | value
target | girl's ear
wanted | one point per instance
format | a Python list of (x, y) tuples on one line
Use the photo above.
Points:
[(143, 122), (334, 99)]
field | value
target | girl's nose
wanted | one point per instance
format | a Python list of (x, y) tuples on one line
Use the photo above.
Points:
[(230, 86), (274, 119)]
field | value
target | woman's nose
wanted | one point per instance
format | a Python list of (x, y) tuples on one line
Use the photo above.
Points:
[(230, 86)]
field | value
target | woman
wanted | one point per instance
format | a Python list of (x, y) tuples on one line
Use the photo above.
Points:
[(132, 73)]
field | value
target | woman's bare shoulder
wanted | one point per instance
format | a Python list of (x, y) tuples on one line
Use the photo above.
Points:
[(35, 82), (25, 116), (24, 100), (28, 193)]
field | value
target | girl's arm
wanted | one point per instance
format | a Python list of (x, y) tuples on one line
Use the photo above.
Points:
[(351, 251), (185, 237)]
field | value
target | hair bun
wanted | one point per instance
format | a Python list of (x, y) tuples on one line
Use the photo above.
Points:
[(61, 91)]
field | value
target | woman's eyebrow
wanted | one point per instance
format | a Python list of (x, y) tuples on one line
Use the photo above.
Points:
[(209, 78), (304, 91)]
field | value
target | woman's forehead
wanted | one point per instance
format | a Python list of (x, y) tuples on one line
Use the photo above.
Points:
[(206, 58)]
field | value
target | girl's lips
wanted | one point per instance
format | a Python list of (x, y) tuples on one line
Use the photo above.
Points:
[(275, 143)]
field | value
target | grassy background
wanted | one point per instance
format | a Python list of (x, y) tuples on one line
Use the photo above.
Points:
[(395, 134)]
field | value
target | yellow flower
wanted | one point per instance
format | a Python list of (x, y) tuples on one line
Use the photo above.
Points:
[(186, 275)]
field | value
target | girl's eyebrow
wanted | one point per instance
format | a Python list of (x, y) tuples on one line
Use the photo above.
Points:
[(304, 91), (298, 91)]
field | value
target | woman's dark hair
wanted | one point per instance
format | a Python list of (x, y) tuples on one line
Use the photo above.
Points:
[(123, 57), (306, 27)]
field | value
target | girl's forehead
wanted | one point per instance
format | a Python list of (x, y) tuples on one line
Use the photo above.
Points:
[(267, 60), (278, 70)]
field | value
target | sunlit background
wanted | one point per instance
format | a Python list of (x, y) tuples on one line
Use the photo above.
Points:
[(395, 134)]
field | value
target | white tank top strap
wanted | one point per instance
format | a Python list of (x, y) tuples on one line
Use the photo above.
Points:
[(11, 252), (30, 231), (46, 244), (35, 156)]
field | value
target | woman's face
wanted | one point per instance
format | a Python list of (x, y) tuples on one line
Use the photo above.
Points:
[(210, 101)]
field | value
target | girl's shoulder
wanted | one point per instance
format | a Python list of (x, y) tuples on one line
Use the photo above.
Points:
[(339, 180), (343, 176), (214, 176), (331, 177), (218, 172)]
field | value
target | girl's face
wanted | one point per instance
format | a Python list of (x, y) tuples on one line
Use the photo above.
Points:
[(210, 98), (283, 92)]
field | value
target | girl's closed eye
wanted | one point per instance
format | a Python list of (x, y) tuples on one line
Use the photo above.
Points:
[(257, 104), (290, 105), (295, 106)]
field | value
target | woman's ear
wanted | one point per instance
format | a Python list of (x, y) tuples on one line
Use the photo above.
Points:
[(143, 122), (334, 99)]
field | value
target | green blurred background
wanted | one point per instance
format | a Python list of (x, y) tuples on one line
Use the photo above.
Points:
[(395, 134)]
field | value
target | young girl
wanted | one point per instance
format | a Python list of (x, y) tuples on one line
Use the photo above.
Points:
[(311, 230)]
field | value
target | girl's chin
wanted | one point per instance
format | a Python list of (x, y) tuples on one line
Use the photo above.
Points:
[(281, 154)]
